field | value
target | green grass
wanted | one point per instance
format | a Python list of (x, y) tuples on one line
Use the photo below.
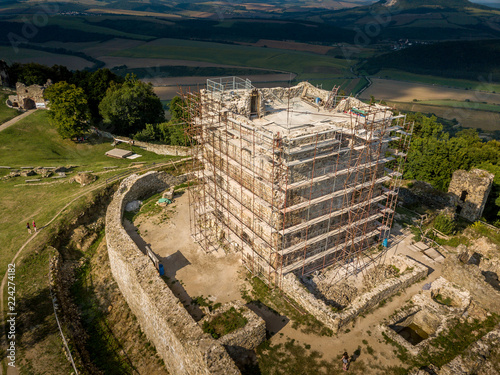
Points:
[(202, 301), (293, 61), (102, 345), (6, 113), (443, 301), (35, 142), (431, 80), (225, 323)]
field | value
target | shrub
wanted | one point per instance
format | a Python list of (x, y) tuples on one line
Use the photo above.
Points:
[(445, 224)]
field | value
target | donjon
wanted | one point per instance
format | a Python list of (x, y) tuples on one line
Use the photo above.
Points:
[(295, 179), (469, 192)]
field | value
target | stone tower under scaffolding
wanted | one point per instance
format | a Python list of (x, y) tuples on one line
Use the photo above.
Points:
[(295, 179)]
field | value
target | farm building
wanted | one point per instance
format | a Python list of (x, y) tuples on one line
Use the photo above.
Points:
[(296, 179)]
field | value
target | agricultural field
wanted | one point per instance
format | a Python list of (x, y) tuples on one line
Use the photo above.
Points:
[(482, 83), (472, 118), (293, 46), (399, 91), (466, 105), (24, 55), (289, 61)]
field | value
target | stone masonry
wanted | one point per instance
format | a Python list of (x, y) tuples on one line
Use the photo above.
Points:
[(29, 97), (469, 191), (361, 304), (178, 339), (294, 179)]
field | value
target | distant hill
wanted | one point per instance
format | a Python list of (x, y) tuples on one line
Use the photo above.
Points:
[(419, 20), (439, 4)]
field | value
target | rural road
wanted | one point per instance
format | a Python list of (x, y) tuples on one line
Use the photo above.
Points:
[(16, 119)]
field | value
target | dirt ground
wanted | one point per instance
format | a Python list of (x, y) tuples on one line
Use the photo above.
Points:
[(222, 277), (198, 274), (401, 91)]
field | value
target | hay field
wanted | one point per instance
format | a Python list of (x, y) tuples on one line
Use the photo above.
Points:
[(399, 91), (481, 84)]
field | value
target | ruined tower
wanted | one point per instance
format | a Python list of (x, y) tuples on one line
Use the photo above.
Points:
[(295, 179), (470, 191)]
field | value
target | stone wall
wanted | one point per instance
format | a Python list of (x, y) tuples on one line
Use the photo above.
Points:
[(248, 337), (336, 320), (178, 339), (470, 191), (29, 97), (469, 276)]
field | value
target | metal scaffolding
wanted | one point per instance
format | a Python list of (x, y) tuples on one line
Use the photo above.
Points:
[(288, 200)]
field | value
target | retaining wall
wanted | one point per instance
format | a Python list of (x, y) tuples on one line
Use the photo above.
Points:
[(336, 320), (178, 339)]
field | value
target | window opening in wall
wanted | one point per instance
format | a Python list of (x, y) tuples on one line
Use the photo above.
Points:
[(463, 196), (254, 103)]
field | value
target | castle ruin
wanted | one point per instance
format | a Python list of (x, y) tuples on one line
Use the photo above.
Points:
[(469, 191), (296, 179)]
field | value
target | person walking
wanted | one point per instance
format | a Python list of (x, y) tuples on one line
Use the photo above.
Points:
[(28, 227), (345, 361), (34, 225)]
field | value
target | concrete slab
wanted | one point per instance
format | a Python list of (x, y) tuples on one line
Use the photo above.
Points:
[(434, 255), (118, 153), (421, 246)]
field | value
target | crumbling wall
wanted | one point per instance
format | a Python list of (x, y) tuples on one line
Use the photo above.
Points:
[(178, 339), (470, 277), (248, 337), (29, 97), (364, 302), (482, 357), (470, 191)]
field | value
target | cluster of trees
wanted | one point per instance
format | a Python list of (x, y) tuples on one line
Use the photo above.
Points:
[(172, 132), (434, 156), (101, 98), (121, 108)]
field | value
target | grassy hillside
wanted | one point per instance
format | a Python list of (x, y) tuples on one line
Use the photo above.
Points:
[(6, 113)]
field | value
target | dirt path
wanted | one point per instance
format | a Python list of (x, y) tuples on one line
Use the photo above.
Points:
[(16, 119)]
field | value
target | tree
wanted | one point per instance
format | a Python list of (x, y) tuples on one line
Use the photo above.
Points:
[(128, 107), (68, 109), (95, 86)]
